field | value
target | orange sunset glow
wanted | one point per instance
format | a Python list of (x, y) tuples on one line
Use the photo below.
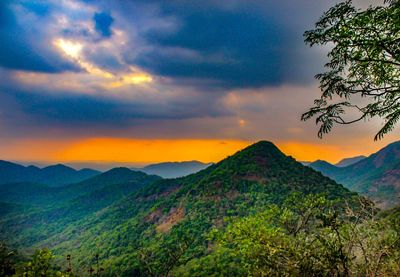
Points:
[(146, 151)]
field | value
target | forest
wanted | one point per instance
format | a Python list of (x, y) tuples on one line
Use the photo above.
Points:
[(256, 212)]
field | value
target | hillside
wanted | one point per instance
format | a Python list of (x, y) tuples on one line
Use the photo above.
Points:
[(54, 175), (164, 224), (44, 195), (174, 169), (377, 176), (52, 209), (27, 193)]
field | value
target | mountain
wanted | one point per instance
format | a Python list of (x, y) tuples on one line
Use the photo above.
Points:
[(165, 223), (174, 169), (52, 209), (349, 161), (11, 172), (323, 166), (54, 175), (58, 175), (377, 176), (114, 176)]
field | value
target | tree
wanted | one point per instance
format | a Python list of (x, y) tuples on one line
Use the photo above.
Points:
[(7, 263), (308, 235), (41, 264), (363, 74)]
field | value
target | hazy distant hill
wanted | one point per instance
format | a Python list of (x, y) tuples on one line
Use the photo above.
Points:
[(349, 161), (171, 216), (323, 166), (174, 169), (54, 175), (377, 176), (342, 163)]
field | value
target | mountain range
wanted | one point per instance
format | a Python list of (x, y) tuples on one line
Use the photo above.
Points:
[(376, 176), (54, 175), (60, 175), (342, 163), (139, 224)]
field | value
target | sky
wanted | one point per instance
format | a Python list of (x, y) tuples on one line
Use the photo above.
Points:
[(145, 81)]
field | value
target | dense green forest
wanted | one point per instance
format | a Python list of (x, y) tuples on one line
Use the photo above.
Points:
[(255, 212), (306, 236)]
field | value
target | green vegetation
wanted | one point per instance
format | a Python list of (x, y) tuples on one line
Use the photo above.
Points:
[(364, 62), (52, 209), (307, 236), (257, 212)]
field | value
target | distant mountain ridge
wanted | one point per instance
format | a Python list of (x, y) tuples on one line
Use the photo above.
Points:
[(174, 169), (53, 175), (377, 176), (349, 161)]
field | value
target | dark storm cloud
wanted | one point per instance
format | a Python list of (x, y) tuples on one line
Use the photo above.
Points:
[(227, 52), (103, 23), (65, 109), (26, 47), (247, 44)]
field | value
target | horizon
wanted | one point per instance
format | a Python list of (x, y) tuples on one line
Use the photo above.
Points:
[(107, 165), (128, 83)]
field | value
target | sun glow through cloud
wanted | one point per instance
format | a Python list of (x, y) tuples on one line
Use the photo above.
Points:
[(70, 48), (73, 50)]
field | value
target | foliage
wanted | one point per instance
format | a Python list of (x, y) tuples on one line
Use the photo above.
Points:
[(311, 238), (258, 194), (7, 260), (364, 63), (41, 264), (54, 208)]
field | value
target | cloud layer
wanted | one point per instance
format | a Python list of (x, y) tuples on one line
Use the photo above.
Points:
[(159, 69)]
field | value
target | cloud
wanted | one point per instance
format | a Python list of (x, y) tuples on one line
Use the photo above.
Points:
[(160, 69), (24, 44), (103, 23), (245, 44), (31, 102)]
